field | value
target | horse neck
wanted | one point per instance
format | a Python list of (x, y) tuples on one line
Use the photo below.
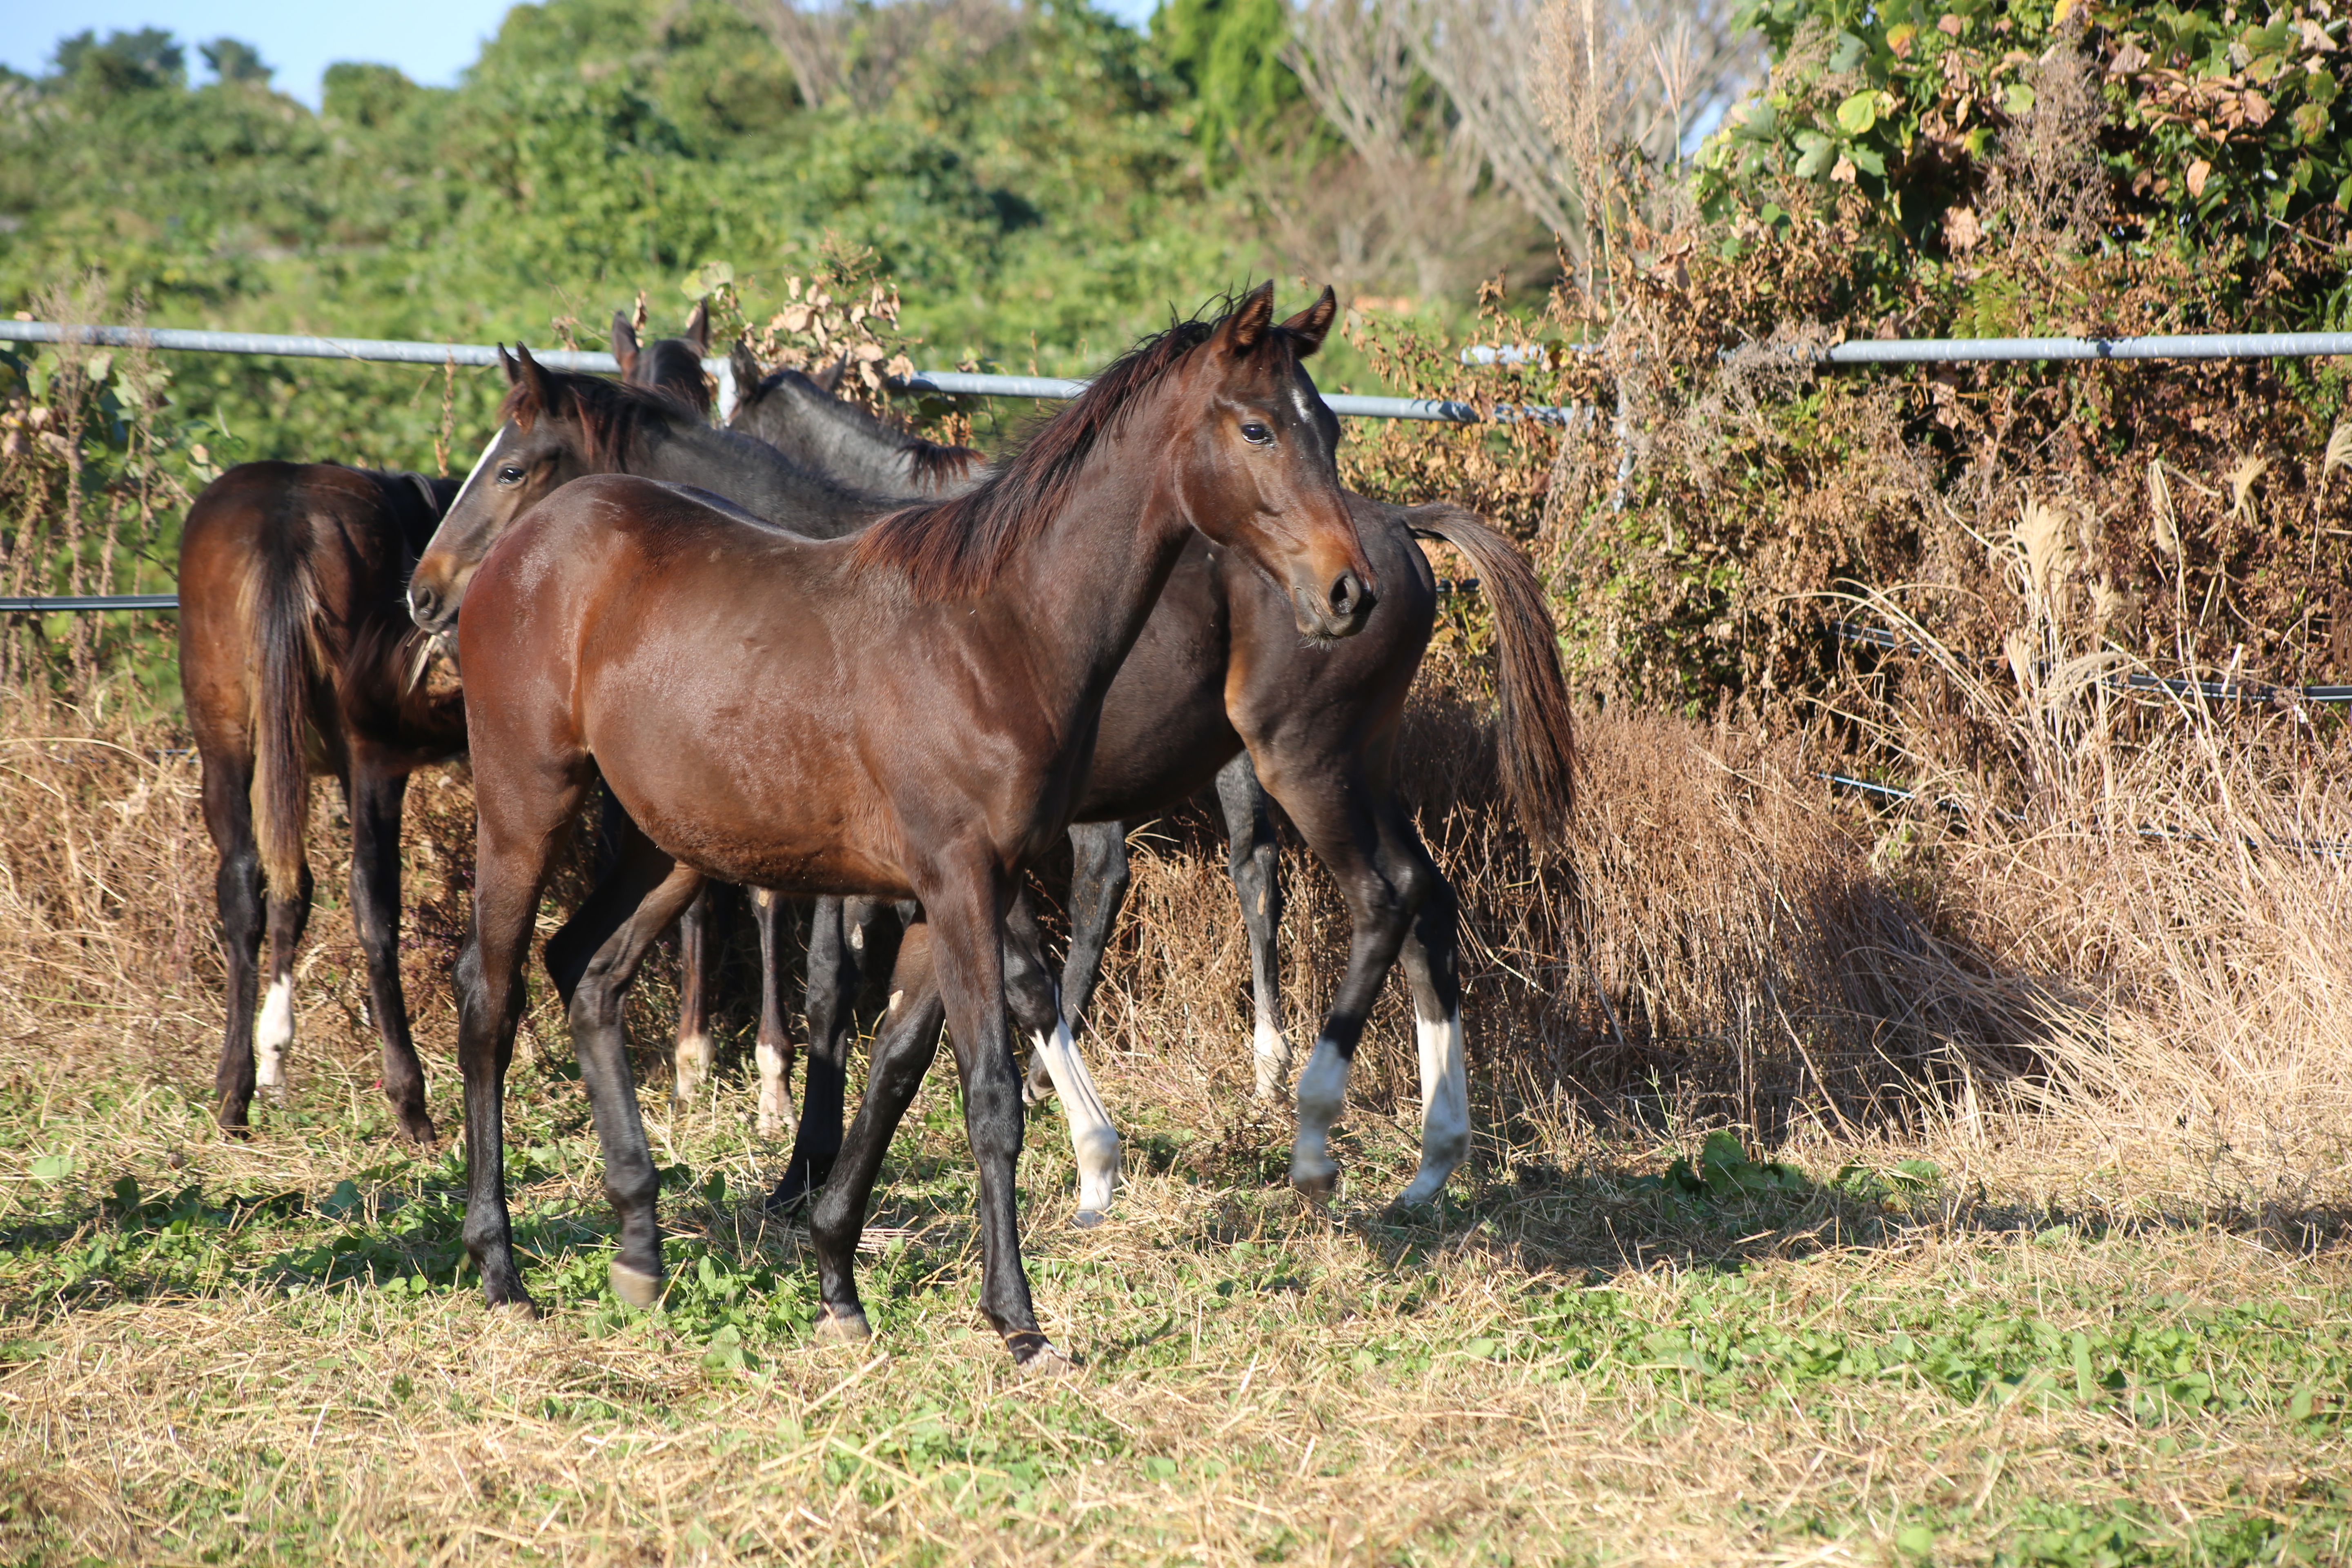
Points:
[(833, 437), (755, 476), (1086, 584)]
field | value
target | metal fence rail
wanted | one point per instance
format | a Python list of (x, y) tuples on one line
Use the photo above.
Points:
[(969, 384), (2207, 690)]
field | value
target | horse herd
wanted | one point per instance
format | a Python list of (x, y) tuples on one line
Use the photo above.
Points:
[(814, 655)]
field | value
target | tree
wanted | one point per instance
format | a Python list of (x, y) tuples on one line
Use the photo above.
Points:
[(1230, 53), (234, 60), (126, 63)]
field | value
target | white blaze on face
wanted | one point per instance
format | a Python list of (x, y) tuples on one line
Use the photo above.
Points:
[(273, 1036), (1093, 1139), (475, 472), (1322, 1090), (775, 1115), (1444, 1105)]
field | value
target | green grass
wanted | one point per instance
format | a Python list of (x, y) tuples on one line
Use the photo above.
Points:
[(218, 1352)]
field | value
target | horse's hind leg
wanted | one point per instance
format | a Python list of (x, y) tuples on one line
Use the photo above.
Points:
[(1030, 997), (701, 943), (1098, 883), (375, 794), (1099, 879), (1254, 860), (273, 1035), (591, 961), (903, 1052), (1432, 969), (837, 953), (1337, 822), (228, 814), (774, 1050)]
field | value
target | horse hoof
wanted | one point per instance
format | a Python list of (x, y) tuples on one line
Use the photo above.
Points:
[(634, 1286), (420, 1133), (788, 1196), (1042, 1359), (523, 1311), (841, 1327), (1316, 1189), (1087, 1219)]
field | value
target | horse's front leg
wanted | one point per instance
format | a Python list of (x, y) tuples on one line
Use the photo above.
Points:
[(965, 911), (591, 961)]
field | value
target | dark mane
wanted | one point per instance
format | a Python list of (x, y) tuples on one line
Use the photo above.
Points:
[(957, 547), (932, 463), (612, 416)]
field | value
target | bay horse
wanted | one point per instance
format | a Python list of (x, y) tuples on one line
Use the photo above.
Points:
[(1217, 666), (694, 658), (1218, 678), (555, 427), (297, 657)]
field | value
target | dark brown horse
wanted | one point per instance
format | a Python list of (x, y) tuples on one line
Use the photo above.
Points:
[(298, 656), (1217, 670), (1175, 718), (673, 365), (697, 661), (555, 427)]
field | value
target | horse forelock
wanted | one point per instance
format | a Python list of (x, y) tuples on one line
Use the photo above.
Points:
[(957, 547)]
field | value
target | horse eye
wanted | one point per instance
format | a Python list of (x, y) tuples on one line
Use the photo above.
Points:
[(1256, 435), (509, 475)]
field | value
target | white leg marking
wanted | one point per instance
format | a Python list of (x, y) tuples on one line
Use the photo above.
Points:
[(775, 1116), (1270, 1052), (695, 1056), (1445, 1106), (273, 1036), (1092, 1137), (1322, 1090)]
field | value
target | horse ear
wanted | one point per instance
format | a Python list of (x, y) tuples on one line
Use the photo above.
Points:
[(528, 381), (1311, 325), (829, 378), (745, 366), (698, 328), (624, 342), (1245, 328)]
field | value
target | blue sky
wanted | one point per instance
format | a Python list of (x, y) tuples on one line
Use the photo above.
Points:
[(431, 40)]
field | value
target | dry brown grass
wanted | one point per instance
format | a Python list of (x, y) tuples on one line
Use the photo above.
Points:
[(2128, 1055)]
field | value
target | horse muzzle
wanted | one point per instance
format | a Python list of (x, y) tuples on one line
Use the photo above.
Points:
[(429, 610), (1337, 610)]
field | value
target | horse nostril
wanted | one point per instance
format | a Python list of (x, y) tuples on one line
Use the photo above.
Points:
[(1349, 596), (421, 603)]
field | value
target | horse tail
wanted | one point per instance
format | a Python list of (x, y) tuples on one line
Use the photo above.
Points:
[(1537, 741), (282, 619)]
